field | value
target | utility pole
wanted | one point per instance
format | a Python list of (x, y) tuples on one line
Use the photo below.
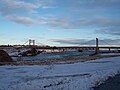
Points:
[(97, 48)]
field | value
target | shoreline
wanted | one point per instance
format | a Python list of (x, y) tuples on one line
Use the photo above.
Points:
[(77, 76), (57, 61)]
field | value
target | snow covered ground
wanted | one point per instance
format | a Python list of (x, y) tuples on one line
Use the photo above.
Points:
[(77, 76)]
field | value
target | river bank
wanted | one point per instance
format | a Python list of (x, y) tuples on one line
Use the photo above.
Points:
[(74, 76), (69, 60)]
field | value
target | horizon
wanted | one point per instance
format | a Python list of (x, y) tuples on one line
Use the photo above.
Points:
[(59, 22)]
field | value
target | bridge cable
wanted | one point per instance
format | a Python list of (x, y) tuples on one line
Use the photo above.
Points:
[(88, 42), (25, 42)]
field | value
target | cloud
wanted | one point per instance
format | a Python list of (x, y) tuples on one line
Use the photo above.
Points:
[(87, 42), (8, 7), (57, 22), (74, 41), (114, 31), (24, 20), (98, 22), (54, 22), (21, 7), (19, 11), (91, 4), (68, 23)]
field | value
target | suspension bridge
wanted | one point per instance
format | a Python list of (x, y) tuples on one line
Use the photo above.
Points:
[(32, 44)]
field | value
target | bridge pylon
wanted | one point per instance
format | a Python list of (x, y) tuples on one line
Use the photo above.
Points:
[(97, 46), (31, 42)]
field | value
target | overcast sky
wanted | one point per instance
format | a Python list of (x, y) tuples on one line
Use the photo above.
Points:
[(59, 22)]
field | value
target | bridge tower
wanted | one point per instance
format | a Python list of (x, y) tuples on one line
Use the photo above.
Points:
[(97, 47), (31, 42), (34, 42)]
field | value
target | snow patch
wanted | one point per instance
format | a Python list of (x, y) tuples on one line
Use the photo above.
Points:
[(77, 76)]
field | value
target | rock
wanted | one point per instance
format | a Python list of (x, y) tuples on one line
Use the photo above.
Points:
[(31, 52), (4, 57), (80, 50)]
